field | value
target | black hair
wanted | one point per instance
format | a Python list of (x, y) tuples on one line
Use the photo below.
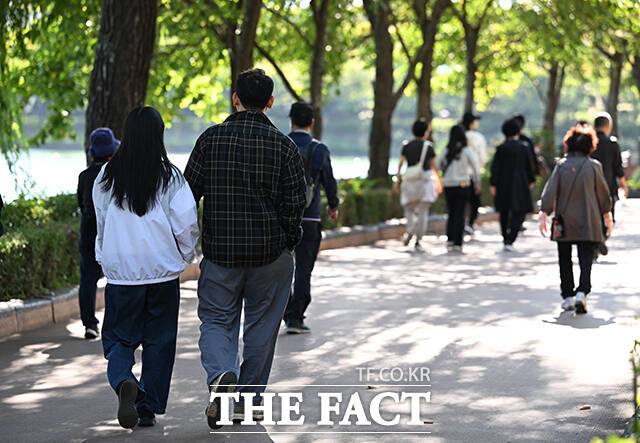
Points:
[(140, 167), (601, 121), (457, 142), (511, 127), (420, 127), (301, 114), (520, 119), (254, 89)]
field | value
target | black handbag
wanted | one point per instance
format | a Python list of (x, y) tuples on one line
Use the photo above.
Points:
[(557, 222)]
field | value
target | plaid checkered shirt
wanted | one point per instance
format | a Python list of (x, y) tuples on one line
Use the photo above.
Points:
[(252, 179)]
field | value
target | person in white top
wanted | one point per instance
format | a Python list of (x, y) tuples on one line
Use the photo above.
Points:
[(147, 230), (478, 143)]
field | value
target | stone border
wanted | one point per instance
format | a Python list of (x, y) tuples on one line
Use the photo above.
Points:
[(23, 315)]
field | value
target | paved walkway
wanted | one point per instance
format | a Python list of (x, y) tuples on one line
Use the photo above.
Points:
[(505, 363)]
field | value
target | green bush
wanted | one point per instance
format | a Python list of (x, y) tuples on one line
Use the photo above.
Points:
[(39, 250)]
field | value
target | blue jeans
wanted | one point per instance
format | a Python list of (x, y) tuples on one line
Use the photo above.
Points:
[(144, 315), (221, 293), (306, 255), (90, 272)]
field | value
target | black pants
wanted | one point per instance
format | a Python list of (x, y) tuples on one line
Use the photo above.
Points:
[(90, 273), (510, 224), (585, 256), (457, 198), (474, 204), (306, 255)]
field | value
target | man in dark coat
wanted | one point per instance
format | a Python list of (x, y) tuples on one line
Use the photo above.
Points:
[(527, 141), (512, 176), (608, 153)]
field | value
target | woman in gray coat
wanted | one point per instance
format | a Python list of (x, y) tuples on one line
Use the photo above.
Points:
[(578, 194)]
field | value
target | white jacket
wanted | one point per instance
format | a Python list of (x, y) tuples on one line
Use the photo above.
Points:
[(135, 250), (478, 143)]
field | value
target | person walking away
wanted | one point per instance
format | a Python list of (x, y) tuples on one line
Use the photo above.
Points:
[(512, 177), (147, 230), (102, 146), (460, 168), (252, 179), (418, 154), (608, 154), (319, 173), (526, 140), (478, 143), (578, 194)]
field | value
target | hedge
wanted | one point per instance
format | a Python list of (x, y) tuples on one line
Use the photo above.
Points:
[(39, 251)]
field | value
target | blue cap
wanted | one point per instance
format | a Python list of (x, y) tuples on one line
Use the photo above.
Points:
[(102, 143)]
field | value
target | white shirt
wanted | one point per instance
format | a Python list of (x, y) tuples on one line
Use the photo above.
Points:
[(478, 143), (135, 250)]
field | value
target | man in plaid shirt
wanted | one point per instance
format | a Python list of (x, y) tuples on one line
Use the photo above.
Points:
[(252, 179)]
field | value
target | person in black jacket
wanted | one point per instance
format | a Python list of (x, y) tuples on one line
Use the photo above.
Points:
[(102, 146), (608, 153), (527, 141), (306, 251), (512, 176)]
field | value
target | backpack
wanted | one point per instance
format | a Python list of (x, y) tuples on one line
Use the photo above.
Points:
[(307, 157)]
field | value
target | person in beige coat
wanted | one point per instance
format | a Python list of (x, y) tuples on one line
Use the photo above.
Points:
[(578, 194)]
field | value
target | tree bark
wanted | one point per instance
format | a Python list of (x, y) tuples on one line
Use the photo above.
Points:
[(120, 73), (635, 71), (429, 29), (318, 62), (552, 100), (380, 133), (471, 35), (615, 79), (241, 46)]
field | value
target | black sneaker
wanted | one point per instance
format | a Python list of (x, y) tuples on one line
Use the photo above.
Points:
[(297, 327), (238, 414), (91, 332), (146, 418), (225, 382), (127, 396)]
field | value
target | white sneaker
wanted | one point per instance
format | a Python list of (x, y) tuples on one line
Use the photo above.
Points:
[(469, 229), (567, 304), (581, 303), (509, 248)]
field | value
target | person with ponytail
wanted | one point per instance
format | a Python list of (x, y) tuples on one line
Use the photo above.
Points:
[(461, 178), (578, 195), (147, 230)]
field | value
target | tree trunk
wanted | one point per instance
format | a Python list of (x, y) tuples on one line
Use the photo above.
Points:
[(242, 55), (615, 79), (380, 133), (318, 62), (635, 71), (429, 28), (121, 68), (471, 39), (552, 100)]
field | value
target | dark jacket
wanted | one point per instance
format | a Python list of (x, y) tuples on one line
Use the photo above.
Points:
[(580, 199), (512, 171), (322, 172), (528, 142), (85, 203), (608, 154), (252, 179)]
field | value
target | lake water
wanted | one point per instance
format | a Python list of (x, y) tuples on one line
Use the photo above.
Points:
[(53, 172)]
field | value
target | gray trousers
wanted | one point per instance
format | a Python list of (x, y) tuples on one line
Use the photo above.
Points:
[(221, 292), (417, 219)]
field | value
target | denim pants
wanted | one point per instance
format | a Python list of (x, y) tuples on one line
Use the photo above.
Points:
[(221, 293), (306, 255), (144, 315), (586, 250), (90, 272)]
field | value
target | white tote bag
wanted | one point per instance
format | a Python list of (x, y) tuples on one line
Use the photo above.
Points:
[(413, 181)]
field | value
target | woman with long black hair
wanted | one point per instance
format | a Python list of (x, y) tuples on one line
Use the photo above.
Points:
[(460, 169), (147, 229)]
